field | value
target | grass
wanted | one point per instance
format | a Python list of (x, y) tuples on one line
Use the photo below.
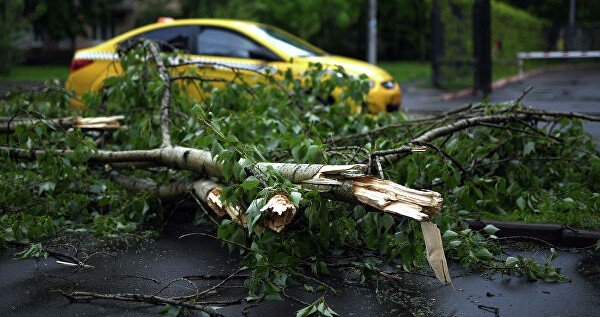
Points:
[(420, 73), (408, 71), (572, 219), (37, 73)]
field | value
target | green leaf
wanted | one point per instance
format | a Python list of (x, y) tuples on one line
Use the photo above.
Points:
[(449, 234), (307, 311), (484, 254), (511, 261), (216, 148), (46, 187), (455, 243), (528, 148), (521, 203), (309, 288), (490, 229), (170, 311), (254, 213), (463, 213), (387, 222), (250, 183), (296, 196)]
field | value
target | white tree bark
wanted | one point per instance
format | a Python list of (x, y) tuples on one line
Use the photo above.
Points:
[(340, 182)]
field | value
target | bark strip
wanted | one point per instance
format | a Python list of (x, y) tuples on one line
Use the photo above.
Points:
[(435, 251)]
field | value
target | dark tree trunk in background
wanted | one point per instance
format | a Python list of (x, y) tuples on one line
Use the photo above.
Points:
[(482, 46), (437, 43)]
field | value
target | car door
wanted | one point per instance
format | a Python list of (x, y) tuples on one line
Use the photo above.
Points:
[(227, 55), (181, 38)]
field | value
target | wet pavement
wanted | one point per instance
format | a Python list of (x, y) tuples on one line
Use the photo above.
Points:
[(576, 89), (475, 295), (28, 287)]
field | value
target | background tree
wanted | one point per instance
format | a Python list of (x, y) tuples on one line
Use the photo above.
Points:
[(13, 24), (67, 19)]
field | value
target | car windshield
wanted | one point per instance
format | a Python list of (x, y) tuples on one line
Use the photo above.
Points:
[(288, 43)]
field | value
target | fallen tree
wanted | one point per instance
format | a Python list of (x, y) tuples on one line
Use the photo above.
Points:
[(274, 157)]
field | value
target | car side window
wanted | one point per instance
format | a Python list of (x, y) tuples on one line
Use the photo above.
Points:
[(220, 42), (170, 38)]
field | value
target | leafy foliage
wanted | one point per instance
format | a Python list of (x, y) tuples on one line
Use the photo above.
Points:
[(520, 168)]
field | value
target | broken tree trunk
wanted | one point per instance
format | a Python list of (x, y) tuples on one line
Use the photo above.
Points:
[(345, 182), (278, 212), (340, 182)]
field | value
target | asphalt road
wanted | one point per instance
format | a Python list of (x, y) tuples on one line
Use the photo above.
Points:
[(576, 89), (29, 287)]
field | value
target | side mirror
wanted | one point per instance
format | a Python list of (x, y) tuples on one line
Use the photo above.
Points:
[(263, 54)]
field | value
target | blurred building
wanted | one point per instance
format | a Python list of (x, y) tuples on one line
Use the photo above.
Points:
[(116, 18)]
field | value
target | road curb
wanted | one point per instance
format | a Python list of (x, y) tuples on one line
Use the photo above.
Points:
[(558, 235)]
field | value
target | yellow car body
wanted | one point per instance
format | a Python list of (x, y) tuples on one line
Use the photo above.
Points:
[(239, 44)]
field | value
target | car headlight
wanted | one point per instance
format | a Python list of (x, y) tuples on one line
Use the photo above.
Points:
[(388, 84)]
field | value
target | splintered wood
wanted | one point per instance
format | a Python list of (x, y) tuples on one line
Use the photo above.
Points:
[(278, 211), (390, 197), (435, 251)]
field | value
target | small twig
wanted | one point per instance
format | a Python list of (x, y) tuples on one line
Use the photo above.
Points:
[(214, 287), (215, 277), (156, 300), (85, 266), (333, 290), (144, 278), (215, 237), (297, 300), (196, 295), (490, 309), (525, 92), (448, 156)]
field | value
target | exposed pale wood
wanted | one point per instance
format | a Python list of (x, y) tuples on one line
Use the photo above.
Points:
[(8, 124), (279, 212), (435, 251)]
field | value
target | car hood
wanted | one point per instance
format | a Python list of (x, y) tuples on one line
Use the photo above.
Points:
[(351, 65)]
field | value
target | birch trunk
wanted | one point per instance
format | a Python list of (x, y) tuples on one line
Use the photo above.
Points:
[(340, 182)]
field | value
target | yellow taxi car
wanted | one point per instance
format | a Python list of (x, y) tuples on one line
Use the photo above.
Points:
[(239, 44)]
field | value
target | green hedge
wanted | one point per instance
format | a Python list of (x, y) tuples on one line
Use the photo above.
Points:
[(513, 30), (517, 31)]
